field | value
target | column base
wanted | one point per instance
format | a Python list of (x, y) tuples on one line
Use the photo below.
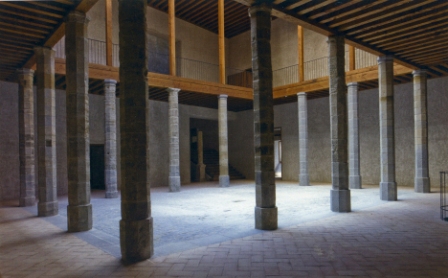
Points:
[(224, 181), (112, 194), (174, 183), (422, 185), (388, 191), (47, 208), (136, 240), (79, 218), (266, 218), (27, 202), (355, 182), (340, 200), (304, 180)]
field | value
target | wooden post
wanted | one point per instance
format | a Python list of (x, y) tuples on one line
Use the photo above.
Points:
[(300, 56), (108, 32), (351, 58), (222, 50), (172, 36)]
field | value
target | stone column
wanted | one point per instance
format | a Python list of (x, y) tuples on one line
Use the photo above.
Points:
[(201, 165), (46, 132), (421, 183), (136, 224), (388, 186), (304, 178), (224, 180), (265, 209), (340, 194), (353, 137), (79, 210), (174, 174), (26, 138), (110, 138)]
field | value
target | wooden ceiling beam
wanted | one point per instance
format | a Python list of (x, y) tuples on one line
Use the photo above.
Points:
[(32, 10), (403, 40), (59, 32), (7, 17), (398, 22), (24, 15), (377, 17)]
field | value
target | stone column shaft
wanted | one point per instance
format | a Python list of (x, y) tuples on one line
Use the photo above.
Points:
[(136, 224), (304, 179), (353, 137), (201, 165), (340, 194), (224, 180), (265, 209), (46, 132), (422, 182), (26, 138), (110, 137), (174, 173), (79, 210), (388, 186)]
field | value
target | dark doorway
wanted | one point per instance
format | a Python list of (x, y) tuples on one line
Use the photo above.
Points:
[(97, 167)]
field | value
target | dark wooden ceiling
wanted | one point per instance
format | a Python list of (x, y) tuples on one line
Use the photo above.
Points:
[(25, 24), (204, 13), (414, 31)]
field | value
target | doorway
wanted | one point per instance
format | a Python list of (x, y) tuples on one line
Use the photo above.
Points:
[(278, 152), (97, 167)]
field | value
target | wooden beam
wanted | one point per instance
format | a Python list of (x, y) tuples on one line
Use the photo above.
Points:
[(319, 84), (351, 58), (301, 55), (221, 37), (108, 7), (172, 35), (59, 32)]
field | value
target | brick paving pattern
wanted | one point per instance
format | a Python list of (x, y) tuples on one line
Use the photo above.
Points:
[(378, 239)]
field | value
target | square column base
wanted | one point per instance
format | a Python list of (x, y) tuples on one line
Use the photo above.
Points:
[(388, 191), (79, 218), (340, 200), (47, 208), (422, 185), (355, 182), (27, 201), (224, 181), (136, 240), (266, 218), (112, 194), (304, 180), (174, 183)]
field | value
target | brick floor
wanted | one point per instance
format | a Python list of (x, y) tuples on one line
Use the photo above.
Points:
[(379, 239)]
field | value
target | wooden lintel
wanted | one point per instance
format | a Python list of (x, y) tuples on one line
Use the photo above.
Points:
[(359, 75), (164, 81), (186, 84)]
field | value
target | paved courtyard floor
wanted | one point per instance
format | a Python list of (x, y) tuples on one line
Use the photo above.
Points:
[(207, 231)]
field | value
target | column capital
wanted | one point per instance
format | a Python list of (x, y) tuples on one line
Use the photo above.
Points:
[(25, 71), (222, 96), (334, 38), (43, 50), (173, 90), (110, 81), (419, 72), (78, 17), (301, 94), (352, 84), (386, 58), (260, 6)]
